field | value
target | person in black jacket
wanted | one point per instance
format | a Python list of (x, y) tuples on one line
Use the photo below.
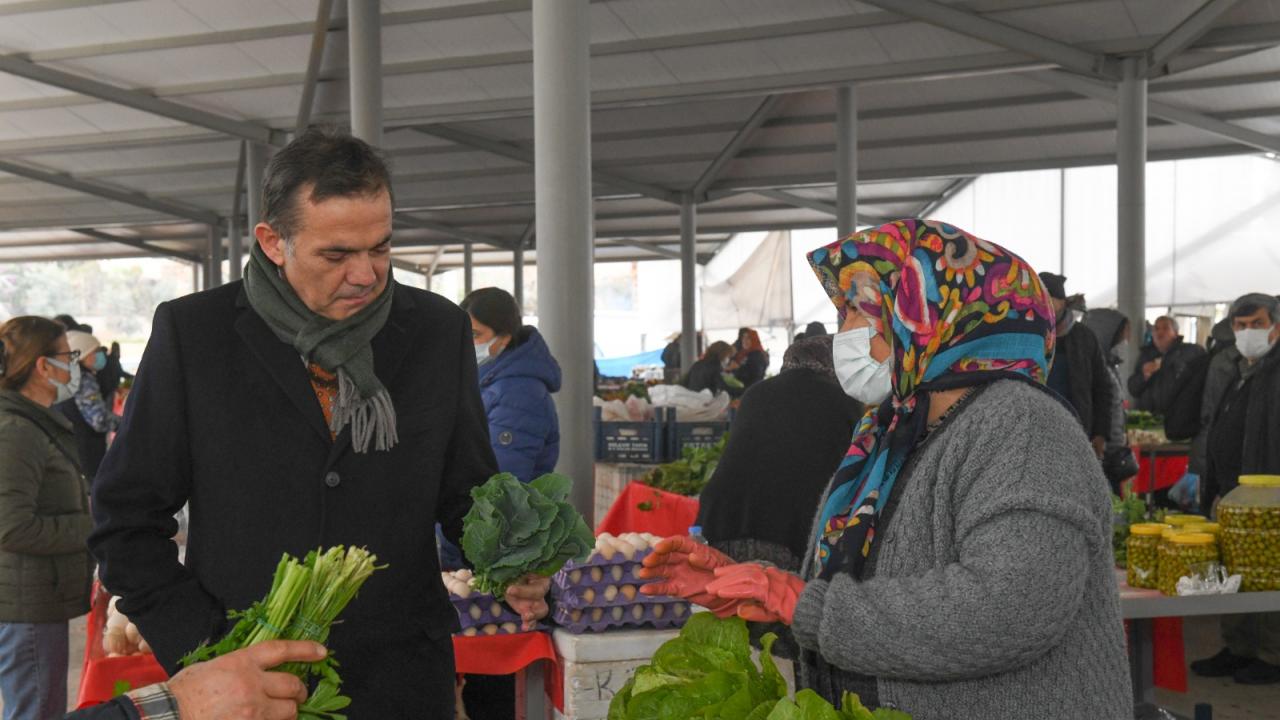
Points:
[(315, 403), (788, 436), (1244, 439), (708, 372), (1159, 371), (751, 361), (1079, 371)]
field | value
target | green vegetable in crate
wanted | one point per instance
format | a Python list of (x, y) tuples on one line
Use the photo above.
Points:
[(1143, 420), (690, 474), (514, 529), (305, 599), (707, 672)]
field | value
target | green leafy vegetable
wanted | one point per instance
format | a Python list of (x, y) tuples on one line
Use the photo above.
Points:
[(514, 529), (1125, 512), (690, 474), (304, 600), (1142, 420), (707, 672)]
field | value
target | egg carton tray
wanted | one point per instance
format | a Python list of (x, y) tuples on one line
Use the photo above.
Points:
[(597, 576), (577, 598), (504, 628), (481, 609), (660, 616), (598, 560)]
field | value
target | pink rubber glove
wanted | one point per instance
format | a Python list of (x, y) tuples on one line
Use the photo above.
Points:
[(681, 567), (767, 594)]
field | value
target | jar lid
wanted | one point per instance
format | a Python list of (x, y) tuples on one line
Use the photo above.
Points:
[(1194, 538), (1179, 519), (1148, 528), (1171, 531), (1204, 527), (1271, 481)]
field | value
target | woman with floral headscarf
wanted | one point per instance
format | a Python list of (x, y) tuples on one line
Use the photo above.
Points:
[(961, 563)]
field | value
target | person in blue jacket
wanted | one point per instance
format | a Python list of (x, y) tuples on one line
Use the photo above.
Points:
[(517, 377)]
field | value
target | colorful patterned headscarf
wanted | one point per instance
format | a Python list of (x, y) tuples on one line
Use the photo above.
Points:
[(957, 311)]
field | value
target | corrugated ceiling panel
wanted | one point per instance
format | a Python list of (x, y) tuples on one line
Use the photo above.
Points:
[(612, 72), (42, 123), (649, 18), (1157, 17), (824, 50), (717, 62), (1217, 100), (918, 41), (432, 88), (1074, 24), (168, 68), (133, 158)]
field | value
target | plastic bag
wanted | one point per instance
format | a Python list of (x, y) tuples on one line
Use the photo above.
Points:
[(691, 406), (1208, 579)]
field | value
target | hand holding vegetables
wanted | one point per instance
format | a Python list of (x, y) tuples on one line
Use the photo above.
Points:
[(771, 594), (528, 598), (683, 568), (240, 683), (513, 530)]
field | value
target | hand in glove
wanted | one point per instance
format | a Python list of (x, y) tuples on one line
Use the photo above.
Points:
[(766, 594), (681, 567)]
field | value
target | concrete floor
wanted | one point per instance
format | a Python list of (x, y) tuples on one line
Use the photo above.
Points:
[(1230, 701)]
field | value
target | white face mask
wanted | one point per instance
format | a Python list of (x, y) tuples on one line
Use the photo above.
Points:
[(862, 378), (482, 351), (1253, 343), (66, 390)]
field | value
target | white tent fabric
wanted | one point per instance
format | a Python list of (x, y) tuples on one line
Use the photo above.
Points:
[(758, 294)]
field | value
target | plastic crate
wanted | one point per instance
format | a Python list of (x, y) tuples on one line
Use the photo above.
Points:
[(631, 442), (681, 435)]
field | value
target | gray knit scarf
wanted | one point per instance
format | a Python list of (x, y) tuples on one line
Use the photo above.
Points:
[(338, 346)]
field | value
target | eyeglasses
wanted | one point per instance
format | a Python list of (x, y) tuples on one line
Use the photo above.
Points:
[(72, 355)]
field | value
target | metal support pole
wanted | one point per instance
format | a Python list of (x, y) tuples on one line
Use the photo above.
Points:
[(468, 268), (364, 50), (517, 275), (255, 166), (562, 182), (213, 258), (846, 160), (1131, 159), (688, 283)]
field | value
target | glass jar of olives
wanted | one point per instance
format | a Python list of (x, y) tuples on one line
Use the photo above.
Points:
[(1250, 536), (1143, 546), (1185, 551)]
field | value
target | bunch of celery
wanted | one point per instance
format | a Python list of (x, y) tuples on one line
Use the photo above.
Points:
[(305, 598)]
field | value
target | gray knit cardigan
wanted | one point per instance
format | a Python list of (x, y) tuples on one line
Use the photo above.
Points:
[(991, 592)]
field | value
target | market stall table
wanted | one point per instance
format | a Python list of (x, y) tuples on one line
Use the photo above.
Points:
[(1142, 607), (1159, 467)]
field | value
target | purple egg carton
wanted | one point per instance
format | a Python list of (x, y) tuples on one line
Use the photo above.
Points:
[(598, 560), (572, 578), (658, 615), (479, 630), (478, 609), (576, 598)]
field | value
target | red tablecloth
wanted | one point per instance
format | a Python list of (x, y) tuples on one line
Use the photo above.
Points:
[(102, 677), (641, 508), (508, 654), (1169, 469)]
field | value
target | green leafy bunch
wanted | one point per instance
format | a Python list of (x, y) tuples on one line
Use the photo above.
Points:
[(707, 672), (1142, 420), (305, 599), (513, 529), (1125, 512), (690, 474)]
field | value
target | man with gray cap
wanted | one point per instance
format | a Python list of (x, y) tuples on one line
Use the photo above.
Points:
[(1244, 439)]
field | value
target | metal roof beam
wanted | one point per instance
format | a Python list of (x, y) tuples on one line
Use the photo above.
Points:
[(138, 101), (1006, 36), (1182, 116), (655, 249), (947, 193), (524, 155), (735, 145), (1187, 32), (40, 6), (822, 207), (447, 229), (111, 192), (139, 244), (319, 36)]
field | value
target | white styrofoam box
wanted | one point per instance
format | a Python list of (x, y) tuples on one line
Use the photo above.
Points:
[(590, 687), (611, 646), (611, 478)]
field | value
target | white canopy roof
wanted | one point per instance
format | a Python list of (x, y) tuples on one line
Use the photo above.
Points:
[(121, 121)]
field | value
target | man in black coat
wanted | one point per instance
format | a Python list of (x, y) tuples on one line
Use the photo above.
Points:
[(1161, 366), (314, 404), (1079, 371)]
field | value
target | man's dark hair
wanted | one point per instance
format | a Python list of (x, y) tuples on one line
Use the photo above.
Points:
[(333, 163), (495, 308), (1247, 305)]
